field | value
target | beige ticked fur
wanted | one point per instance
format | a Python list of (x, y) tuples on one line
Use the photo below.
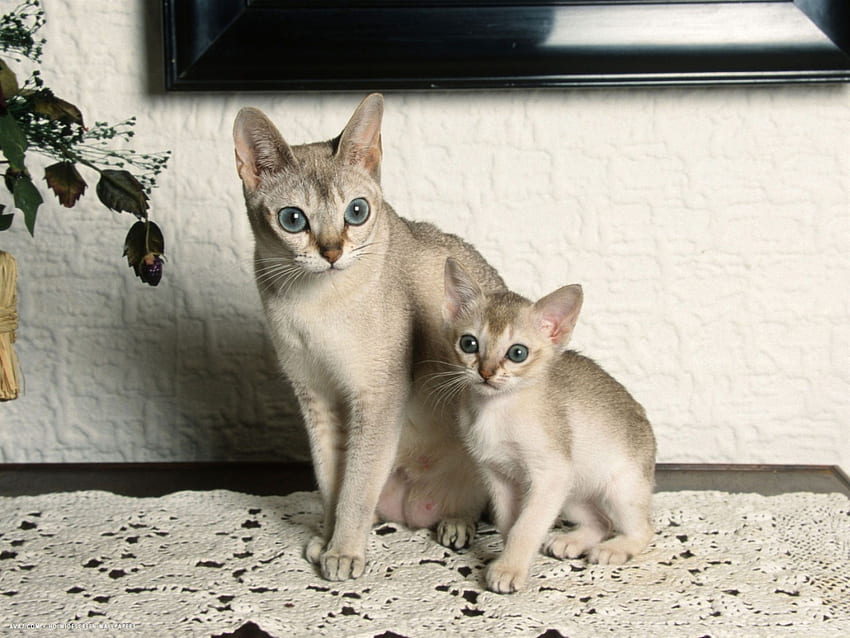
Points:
[(553, 433), (354, 312)]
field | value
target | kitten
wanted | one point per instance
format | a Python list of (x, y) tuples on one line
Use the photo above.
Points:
[(551, 431), (353, 298)]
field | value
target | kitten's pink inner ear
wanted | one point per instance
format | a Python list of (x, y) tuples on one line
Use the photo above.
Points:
[(558, 332), (451, 300), (461, 291), (558, 313), (549, 328)]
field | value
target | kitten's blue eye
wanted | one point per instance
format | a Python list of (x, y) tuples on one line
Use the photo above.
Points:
[(468, 344), (357, 212), (292, 220), (517, 353)]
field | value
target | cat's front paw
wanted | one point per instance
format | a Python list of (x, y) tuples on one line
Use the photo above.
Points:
[(456, 533), (313, 550), (504, 578), (337, 566)]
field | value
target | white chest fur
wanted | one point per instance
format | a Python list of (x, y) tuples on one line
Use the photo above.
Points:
[(328, 332), (503, 435)]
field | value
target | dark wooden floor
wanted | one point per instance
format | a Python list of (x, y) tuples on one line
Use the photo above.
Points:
[(156, 479)]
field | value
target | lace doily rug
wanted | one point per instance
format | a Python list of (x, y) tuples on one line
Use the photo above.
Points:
[(208, 563)]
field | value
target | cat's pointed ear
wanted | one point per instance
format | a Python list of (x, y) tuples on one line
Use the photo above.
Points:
[(557, 313), (360, 140), (260, 149), (462, 291)]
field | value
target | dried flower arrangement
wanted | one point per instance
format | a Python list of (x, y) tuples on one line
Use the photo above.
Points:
[(34, 119)]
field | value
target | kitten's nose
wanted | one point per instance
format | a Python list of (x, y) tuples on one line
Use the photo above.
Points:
[(332, 254), (486, 374)]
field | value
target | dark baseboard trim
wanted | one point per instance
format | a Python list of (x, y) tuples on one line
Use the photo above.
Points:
[(268, 478)]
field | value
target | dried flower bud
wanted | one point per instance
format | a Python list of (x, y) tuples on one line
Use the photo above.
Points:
[(151, 269), (143, 249)]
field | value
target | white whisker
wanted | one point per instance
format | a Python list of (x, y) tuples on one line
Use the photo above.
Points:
[(443, 387), (358, 251), (368, 245), (449, 364), (279, 273)]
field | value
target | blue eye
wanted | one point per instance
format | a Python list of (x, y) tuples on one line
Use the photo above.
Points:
[(292, 220), (468, 344), (357, 212), (517, 353)]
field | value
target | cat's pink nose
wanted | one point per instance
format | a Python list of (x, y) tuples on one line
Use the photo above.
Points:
[(331, 255), (485, 374)]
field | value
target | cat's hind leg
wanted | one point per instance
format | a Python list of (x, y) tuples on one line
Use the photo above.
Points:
[(456, 533), (628, 505), (590, 529), (391, 503), (450, 497), (461, 513)]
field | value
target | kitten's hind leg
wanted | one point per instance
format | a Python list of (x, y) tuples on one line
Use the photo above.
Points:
[(628, 507), (590, 529)]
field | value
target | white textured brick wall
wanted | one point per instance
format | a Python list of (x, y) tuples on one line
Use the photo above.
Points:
[(710, 228)]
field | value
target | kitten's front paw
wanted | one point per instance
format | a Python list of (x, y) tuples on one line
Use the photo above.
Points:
[(505, 579), (313, 550), (336, 566), (456, 533), (615, 551), (573, 544)]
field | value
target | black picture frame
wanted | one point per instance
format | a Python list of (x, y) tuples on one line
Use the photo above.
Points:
[(384, 45)]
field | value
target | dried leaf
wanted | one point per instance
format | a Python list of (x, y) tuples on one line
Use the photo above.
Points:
[(28, 199), (64, 179), (134, 244), (120, 191), (5, 218), (144, 238), (13, 142), (56, 109), (11, 177), (8, 83)]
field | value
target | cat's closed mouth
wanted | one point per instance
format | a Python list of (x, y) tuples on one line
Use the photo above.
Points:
[(330, 268), (489, 388)]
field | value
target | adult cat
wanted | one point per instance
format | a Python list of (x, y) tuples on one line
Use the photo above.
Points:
[(352, 294)]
